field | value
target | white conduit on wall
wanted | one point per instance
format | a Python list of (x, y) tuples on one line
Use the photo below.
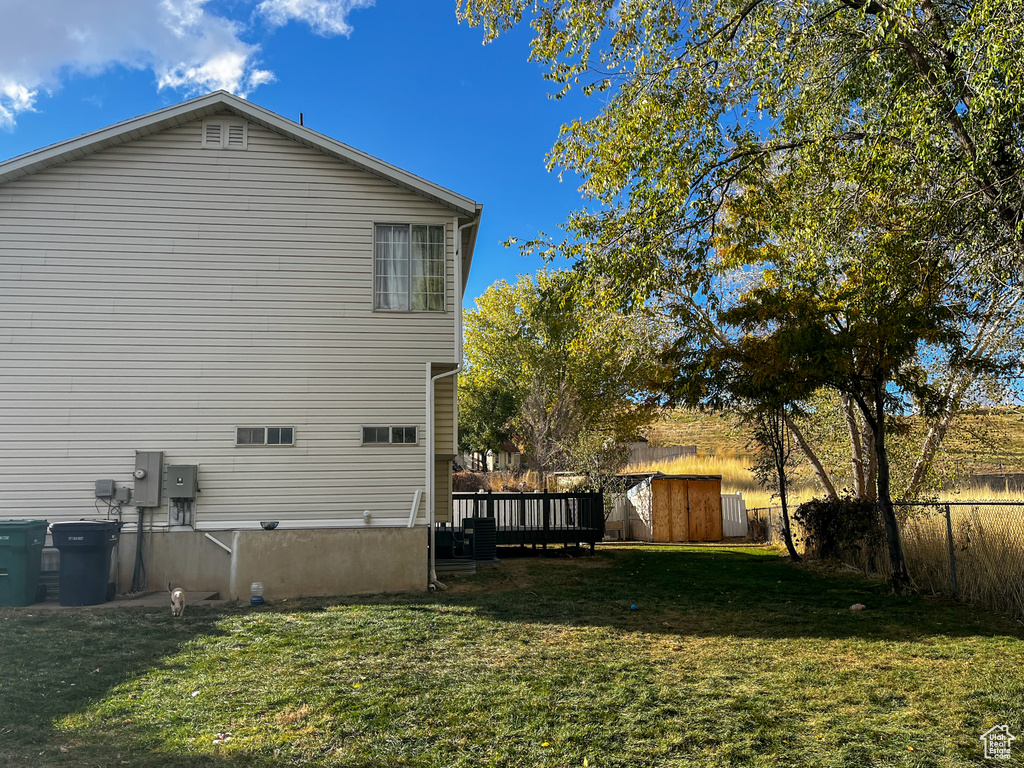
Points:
[(415, 506), (220, 544), (431, 381)]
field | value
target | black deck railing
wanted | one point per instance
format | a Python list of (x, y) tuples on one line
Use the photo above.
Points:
[(524, 519)]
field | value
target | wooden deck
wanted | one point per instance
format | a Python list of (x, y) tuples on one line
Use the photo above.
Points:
[(532, 519)]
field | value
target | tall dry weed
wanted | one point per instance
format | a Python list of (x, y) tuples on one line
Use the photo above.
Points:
[(988, 551)]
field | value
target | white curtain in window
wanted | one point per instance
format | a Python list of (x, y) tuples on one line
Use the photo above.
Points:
[(392, 267), (427, 268)]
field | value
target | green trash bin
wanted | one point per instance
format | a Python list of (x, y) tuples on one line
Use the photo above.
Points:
[(21, 555)]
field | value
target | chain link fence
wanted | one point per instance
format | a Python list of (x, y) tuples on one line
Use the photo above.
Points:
[(969, 550)]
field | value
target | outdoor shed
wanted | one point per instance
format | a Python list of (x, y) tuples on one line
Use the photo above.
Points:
[(666, 508)]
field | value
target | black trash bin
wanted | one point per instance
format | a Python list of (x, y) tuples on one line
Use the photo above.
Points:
[(85, 548)]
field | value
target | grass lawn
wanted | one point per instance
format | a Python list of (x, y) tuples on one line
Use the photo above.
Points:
[(733, 657)]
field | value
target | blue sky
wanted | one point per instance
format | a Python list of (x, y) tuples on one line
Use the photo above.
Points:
[(400, 79)]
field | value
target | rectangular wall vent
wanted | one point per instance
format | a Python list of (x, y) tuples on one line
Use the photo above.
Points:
[(236, 138), (225, 134)]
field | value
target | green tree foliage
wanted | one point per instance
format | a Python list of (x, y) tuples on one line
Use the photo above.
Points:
[(548, 359), (903, 117), (697, 93)]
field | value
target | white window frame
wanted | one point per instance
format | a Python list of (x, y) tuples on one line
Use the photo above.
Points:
[(407, 294), (391, 434), (266, 434)]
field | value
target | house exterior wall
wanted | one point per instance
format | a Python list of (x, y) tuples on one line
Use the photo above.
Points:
[(157, 295)]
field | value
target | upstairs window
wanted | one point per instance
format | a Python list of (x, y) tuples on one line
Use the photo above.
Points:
[(409, 267)]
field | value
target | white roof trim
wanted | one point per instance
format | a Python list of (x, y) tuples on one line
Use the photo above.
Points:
[(204, 106)]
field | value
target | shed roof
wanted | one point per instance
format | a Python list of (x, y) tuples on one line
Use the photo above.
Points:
[(662, 475)]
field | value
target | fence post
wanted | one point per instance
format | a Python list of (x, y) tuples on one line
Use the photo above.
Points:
[(952, 555), (546, 507), (490, 504)]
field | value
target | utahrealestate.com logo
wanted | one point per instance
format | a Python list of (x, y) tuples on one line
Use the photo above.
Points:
[(997, 742)]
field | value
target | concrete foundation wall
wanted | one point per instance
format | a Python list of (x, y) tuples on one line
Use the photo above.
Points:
[(290, 563)]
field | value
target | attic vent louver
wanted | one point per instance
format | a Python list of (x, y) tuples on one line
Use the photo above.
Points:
[(236, 138), (212, 132), (225, 134)]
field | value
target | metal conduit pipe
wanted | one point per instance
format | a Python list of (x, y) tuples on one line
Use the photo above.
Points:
[(431, 381)]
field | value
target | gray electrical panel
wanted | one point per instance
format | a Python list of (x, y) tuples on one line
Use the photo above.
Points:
[(148, 477), (182, 481), (104, 489)]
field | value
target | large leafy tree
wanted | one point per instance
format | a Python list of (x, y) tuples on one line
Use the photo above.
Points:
[(855, 320), (549, 358), (835, 104)]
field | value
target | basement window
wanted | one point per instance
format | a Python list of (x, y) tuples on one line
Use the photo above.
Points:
[(225, 134), (390, 436), (265, 436)]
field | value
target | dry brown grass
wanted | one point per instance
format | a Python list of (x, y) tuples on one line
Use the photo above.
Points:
[(988, 548), (736, 476), (497, 481), (291, 715), (985, 440)]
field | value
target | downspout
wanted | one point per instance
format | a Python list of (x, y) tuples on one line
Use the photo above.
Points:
[(431, 381)]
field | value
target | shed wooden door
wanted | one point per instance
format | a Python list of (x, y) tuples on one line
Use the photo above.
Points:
[(667, 499), (686, 509), (705, 510), (670, 518)]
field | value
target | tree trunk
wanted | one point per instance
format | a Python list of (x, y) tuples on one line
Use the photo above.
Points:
[(872, 479), (782, 452), (812, 458), (856, 448), (787, 531), (900, 578)]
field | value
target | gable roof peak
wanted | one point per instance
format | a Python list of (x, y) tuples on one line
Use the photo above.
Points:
[(208, 105)]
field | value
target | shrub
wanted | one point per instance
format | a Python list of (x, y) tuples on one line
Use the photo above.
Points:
[(845, 529)]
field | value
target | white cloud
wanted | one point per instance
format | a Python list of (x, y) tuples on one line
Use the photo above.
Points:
[(14, 98), (326, 17), (185, 44)]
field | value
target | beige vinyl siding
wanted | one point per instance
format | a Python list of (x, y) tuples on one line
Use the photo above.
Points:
[(443, 490), (444, 415), (444, 445), (156, 295)]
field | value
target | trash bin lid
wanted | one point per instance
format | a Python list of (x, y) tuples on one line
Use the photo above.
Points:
[(20, 533), (85, 533)]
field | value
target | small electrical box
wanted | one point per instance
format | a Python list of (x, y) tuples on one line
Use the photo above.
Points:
[(182, 481), (122, 494), (104, 489)]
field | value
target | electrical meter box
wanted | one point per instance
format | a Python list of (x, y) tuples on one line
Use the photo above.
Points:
[(182, 481), (148, 477)]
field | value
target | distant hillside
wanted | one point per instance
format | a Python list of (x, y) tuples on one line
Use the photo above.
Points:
[(987, 441)]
